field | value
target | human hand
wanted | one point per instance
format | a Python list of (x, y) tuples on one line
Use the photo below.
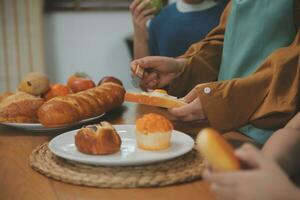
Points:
[(159, 70), (264, 181), (140, 15), (193, 111)]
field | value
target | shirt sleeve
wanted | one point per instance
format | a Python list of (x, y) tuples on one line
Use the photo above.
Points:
[(267, 99), (152, 39), (204, 59)]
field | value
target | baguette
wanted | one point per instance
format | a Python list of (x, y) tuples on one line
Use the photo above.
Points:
[(154, 99), (64, 110)]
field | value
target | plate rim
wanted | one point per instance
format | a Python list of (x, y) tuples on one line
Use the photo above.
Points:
[(109, 163), (39, 126)]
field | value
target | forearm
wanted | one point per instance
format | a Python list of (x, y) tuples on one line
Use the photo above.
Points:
[(140, 47), (284, 146)]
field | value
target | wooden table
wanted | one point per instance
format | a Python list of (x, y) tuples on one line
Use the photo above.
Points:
[(19, 181)]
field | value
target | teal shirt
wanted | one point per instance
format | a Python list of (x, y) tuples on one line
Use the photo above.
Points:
[(255, 28)]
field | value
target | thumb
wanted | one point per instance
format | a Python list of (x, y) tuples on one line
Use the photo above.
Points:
[(250, 156)]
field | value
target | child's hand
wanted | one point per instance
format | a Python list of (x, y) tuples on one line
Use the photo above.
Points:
[(159, 70), (140, 15), (193, 111), (265, 181)]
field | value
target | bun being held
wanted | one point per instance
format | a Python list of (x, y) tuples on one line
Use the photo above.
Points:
[(218, 152)]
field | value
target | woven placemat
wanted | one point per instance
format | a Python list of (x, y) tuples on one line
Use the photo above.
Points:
[(182, 169)]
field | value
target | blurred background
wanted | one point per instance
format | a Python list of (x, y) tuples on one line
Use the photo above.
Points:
[(61, 37)]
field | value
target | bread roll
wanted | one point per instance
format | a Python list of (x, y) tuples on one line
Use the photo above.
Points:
[(98, 139), (218, 152), (64, 110), (20, 108)]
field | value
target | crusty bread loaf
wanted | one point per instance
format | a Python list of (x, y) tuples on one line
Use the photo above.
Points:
[(20, 107), (165, 101), (64, 110), (218, 152), (99, 139)]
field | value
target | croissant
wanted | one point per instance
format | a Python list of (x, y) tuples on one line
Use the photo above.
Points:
[(64, 110)]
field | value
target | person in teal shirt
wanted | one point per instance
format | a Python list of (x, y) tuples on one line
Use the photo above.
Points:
[(245, 73)]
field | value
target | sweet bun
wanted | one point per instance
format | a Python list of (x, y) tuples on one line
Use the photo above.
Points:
[(98, 139), (153, 132), (218, 152)]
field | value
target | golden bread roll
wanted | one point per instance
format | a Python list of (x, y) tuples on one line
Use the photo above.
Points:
[(20, 108), (4, 95), (153, 132), (98, 139), (154, 98), (64, 110), (218, 152)]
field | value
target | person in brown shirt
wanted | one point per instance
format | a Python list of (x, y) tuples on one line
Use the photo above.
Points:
[(244, 75)]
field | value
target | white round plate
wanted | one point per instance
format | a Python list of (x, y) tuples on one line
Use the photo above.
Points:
[(64, 146), (40, 127)]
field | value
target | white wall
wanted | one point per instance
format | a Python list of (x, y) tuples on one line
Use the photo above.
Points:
[(92, 42)]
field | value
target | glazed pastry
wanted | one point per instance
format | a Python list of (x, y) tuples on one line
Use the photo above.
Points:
[(218, 152), (153, 132), (98, 139), (20, 108), (158, 98), (64, 110)]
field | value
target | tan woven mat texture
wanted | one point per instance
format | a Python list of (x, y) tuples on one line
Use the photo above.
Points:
[(182, 169)]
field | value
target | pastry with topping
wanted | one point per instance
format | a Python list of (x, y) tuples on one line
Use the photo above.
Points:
[(153, 132)]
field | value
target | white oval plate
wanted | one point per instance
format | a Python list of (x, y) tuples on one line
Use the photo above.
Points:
[(64, 146), (40, 127)]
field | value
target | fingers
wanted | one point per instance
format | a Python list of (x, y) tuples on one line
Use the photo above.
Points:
[(190, 112), (133, 5), (150, 81), (224, 193), (190, 96), (140, 7), (182, 111), (250, 156), (228, 179)]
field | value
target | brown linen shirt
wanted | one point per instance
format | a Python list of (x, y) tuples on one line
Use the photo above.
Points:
[(266, 99)]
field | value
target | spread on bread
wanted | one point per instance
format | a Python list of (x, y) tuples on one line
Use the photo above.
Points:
[(154, 98), (218, 152), (99, 139), (153, 132)]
